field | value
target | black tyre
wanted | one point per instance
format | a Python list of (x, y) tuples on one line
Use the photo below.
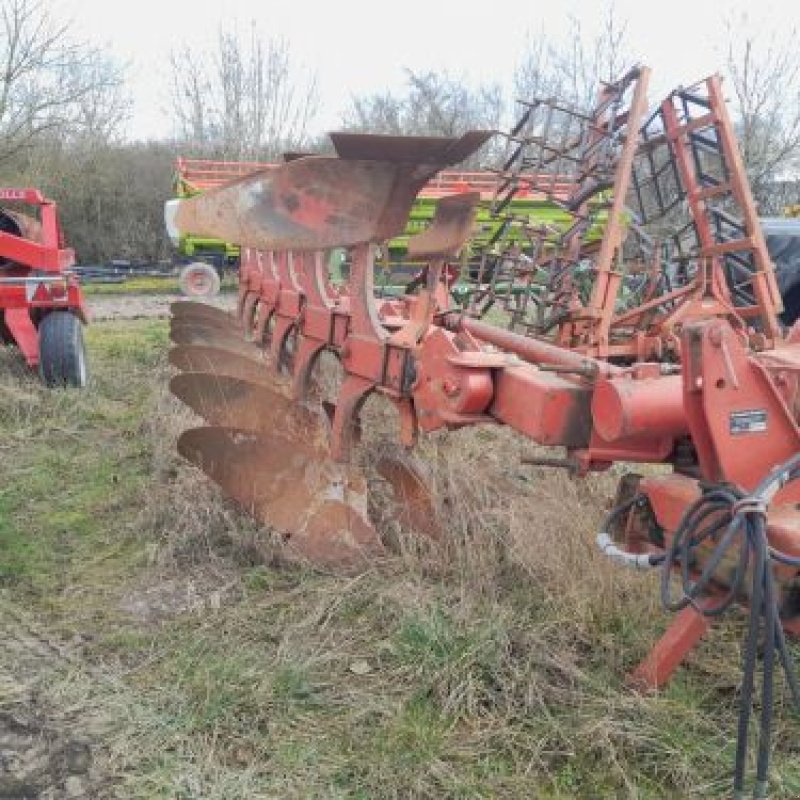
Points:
[(199, 279), (62, 353)]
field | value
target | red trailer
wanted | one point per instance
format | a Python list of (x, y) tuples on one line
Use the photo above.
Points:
[(42, 308)]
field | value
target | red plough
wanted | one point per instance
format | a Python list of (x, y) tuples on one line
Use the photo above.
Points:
[(688, 372)]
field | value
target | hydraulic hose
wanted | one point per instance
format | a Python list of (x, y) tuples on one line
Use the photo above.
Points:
[(736, 521), (624, 557), (741, 520)]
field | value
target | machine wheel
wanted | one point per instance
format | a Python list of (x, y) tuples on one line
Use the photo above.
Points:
[(62, 353), (199, 279)]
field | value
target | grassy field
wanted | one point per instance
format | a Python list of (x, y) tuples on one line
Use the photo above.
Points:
[(199, 664), (152, 284)]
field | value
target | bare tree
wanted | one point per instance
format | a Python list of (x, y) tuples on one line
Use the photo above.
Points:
[(382, 112), (434, 104), (572, 70), (49, 81), (248, 101), (764, 73)]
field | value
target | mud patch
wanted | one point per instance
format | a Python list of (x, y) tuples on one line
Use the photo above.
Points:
[(47, 749)]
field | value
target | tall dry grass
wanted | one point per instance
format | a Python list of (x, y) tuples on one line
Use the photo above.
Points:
[(505, 642)]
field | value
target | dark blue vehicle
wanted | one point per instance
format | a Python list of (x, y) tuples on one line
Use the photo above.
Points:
[(783, 242)]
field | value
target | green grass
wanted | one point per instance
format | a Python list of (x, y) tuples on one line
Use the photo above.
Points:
[(494, 669), (149, 285), (77, 461)]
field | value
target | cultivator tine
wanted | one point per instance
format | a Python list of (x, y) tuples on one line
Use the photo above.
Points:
[(227, 401), (222, 363), (319, 506), (196, 334)]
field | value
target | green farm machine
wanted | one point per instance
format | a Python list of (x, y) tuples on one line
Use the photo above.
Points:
[(205, 260)]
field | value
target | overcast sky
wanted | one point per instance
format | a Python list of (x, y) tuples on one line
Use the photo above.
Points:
[(356, 47)]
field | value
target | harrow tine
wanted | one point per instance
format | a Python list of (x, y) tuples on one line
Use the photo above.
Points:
[(193, 334), (226, 401), (319, 506), (197, 358)]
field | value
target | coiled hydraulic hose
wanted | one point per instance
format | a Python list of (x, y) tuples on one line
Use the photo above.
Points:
[(608, 547), (737, 521)]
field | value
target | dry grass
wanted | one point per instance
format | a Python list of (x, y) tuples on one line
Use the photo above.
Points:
[(489, 665)]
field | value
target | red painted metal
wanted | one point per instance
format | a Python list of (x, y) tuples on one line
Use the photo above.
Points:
[(34, 272), (682, 636), (716, 380)]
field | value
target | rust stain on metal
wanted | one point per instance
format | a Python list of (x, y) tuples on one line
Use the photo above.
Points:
[(319, 202), (318, 505), (450, 229), (197, 334), (234, 402), (198, 358), (415, 508)]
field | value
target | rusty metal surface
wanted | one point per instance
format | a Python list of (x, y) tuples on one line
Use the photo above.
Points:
[(185, 309), (228, 401), (204, 336), (203, 321), (319, 202), (450, 229), (415, 509), (442, 150), (251, 406), (319, 506), (197, 358), (310, 203)]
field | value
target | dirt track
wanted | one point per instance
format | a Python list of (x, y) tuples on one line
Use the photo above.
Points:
[(136, 306)]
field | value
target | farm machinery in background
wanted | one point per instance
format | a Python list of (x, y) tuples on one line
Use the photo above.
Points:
[(658, 341), (205, 259), (42, 309)]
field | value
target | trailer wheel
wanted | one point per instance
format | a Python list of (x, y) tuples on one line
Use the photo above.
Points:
[(199, 279), (62, 353)]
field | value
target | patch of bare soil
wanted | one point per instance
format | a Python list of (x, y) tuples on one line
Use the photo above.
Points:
[(137, 306), (47, 744)]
